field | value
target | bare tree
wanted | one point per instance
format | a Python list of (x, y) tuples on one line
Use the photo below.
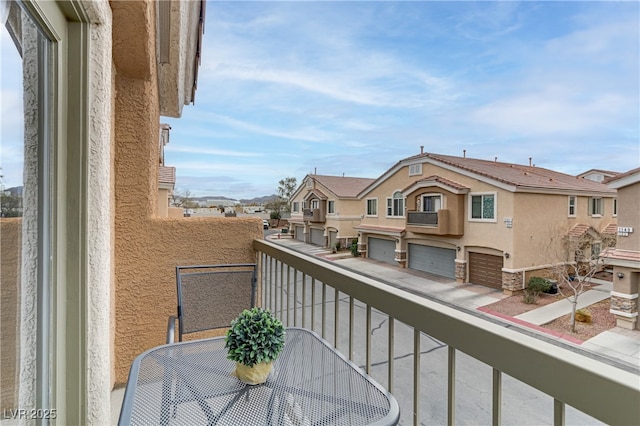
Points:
[(580, 261), (182, 199), (285, 191)]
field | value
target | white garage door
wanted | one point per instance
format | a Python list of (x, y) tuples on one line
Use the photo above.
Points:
[(435, 260), (317, 237), (383, 250), (299, 233), (333, 236)]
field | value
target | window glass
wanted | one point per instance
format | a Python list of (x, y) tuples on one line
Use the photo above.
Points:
[(431, 203), (372, 207), (24, 213), (483, 206), (331, 207), (395, 205), (572, 205), (295, 206)]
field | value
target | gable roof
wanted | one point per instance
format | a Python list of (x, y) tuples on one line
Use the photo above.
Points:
[(509, 176), (340, 186), (624, 179)]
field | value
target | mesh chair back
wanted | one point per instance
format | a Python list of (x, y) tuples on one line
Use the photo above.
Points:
[(211, 296)]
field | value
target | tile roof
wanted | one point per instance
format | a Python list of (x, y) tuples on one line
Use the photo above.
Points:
[(439, 179), (579, 230), (521, 176), (621, 176), (619, 254), (610, 229), (343, 186), (377, 228), (167, 175)]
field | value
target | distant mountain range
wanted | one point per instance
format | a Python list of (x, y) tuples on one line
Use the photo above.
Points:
[(257, 200)]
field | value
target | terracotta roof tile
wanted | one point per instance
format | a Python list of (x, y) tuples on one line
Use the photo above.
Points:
[(610, 229), (578, 230), (343, 186), (439, 179), (167, 175), (521, 176), (365, 227), (619, 254)]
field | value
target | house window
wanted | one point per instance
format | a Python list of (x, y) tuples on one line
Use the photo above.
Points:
[(483, 207), (415, 169), (304, 205), (615, 207), (395, 205), (595, 206), (315, 204), (296, 206), (431, 203), (572, 205), (596, 248), (331, 206), (372, 207)]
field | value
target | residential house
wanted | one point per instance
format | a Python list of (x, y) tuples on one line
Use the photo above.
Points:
[(166, 179), (625, 257), (325, 209), (478, 221), (88, 271)]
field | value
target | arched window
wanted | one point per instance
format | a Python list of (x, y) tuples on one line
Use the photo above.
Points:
[(395, 205)]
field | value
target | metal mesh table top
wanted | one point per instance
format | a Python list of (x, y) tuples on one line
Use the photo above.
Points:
[(311, 383)]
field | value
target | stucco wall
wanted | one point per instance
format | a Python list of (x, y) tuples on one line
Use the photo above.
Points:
[(10, 247), (147, 248), (629, 206)]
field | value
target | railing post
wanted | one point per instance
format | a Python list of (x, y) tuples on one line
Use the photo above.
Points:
[(416, 377), (451, 388), (391, 354), (496, 418)]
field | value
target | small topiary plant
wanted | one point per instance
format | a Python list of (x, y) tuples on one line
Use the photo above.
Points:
[(583, 315), (256, 336), (535, 286)]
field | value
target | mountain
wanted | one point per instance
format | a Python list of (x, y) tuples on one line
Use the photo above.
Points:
[(257, 200)]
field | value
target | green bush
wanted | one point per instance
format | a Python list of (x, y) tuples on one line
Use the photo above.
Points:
[(255, 336), (535, 286), (354, 247)]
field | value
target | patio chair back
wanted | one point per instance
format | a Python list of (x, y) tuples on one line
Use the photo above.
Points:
[(211, 296)]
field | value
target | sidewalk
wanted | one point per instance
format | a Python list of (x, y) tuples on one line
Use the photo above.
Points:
[(619, 344)]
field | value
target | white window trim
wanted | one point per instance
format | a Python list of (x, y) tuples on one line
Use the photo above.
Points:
[(601, 213), (329, 203), (615, 207), (404, 206), (295, 208), (416, 172), (367, 207), (495, 207), (575, 205)]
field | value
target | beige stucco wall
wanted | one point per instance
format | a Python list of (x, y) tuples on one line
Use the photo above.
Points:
[(628, 216), (10, 247), (147, 248)]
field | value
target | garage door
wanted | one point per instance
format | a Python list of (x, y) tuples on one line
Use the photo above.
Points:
[(333, 236), (383, 250), (317, 237), (435, 260), (299, 230), (485, 269)]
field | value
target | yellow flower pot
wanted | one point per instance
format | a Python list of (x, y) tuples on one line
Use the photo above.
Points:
[(255, 375)]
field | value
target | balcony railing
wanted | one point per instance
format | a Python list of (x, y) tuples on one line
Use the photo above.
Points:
[(444, 365), (313, 215), (422, 218)]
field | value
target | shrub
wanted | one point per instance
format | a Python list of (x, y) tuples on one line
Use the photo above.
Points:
[(583, 315), (255, 336), (535, 286), (354, 247)]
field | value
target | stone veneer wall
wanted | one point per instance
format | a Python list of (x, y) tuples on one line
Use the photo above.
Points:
[(511, 282), (461, 271), (625, 307)]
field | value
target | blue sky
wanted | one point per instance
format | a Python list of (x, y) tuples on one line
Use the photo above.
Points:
[(286, 88)]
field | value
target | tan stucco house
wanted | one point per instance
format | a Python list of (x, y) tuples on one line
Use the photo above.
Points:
[(88, 271), (478, 221), (625, 258), (325, 209)]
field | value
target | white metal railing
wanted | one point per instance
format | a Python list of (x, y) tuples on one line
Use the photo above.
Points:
[(442, 364)]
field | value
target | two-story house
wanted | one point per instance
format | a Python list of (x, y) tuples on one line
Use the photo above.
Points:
[(625, 258), (478, 221), (325, 209)]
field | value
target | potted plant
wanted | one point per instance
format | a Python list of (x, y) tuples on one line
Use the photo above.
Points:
[(254, 341)]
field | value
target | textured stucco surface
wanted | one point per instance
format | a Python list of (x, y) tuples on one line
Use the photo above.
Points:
[(147, 247), (10, 243)]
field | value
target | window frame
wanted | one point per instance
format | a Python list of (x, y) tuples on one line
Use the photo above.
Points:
[(615, 207), (596, 206), (482, 196), (432, 195), (415, 169), (572, 202), (372, 202), (295, 207), (396, 204), (331, 206)]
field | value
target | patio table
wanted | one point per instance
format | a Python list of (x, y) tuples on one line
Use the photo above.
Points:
[(190, 383)]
